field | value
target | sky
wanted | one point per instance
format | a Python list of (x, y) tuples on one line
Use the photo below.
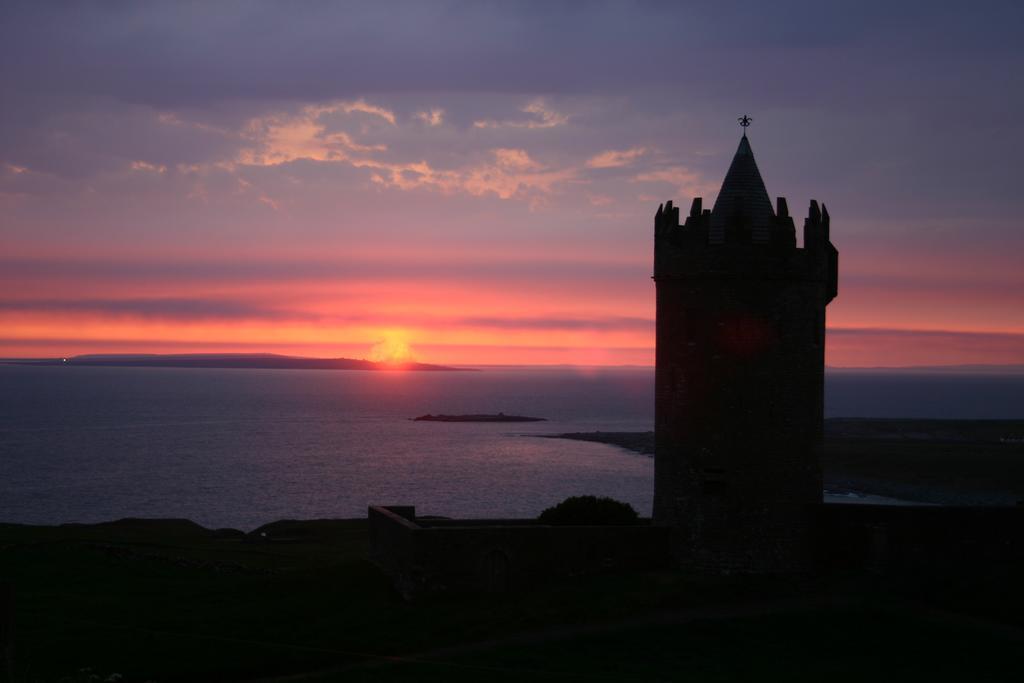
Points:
[(476, 182)]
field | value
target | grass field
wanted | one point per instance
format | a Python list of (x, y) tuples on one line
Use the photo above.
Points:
[(170, 601)]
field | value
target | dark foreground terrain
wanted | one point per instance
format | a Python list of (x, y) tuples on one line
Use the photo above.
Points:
[(167, 600), (949, 462)]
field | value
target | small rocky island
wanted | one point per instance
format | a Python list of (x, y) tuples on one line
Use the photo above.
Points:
[(500, 417)]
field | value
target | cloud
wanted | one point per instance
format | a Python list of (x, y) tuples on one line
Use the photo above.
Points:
[(1014, 339), (608, 323), (512, 173), (267, 51), (539, 116), (159, 308), (269, 201), (616, 158), (685, 181), (310, 134), (431, 117), (515, 159), (386, 266), (148, 167), (281, 138), (237, 309), (894, 347), (364, 107), (169, 118)]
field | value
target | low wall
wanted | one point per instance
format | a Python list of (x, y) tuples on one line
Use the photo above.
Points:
[(431, 555), (497, 555), (920, 540)]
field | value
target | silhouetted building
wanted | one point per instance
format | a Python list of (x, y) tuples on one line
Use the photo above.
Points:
[(740, 375)]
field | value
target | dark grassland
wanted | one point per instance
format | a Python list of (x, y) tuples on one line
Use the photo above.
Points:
[(953, 462), (170, 601)]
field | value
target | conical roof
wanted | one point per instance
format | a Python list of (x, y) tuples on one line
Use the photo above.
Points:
[(743, 200)]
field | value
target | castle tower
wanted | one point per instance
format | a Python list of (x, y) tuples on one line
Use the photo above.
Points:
[(740, 375)]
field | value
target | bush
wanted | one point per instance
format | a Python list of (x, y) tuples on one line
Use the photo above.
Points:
[(589, 510)]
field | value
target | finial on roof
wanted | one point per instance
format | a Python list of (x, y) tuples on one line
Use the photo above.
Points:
[(743, 199), (745, 121)]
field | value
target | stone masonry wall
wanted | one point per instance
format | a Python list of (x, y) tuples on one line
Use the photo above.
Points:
[(427, 556)]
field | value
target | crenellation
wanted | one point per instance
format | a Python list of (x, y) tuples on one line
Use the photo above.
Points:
[(666, 220), (813, 229), (781, 207)]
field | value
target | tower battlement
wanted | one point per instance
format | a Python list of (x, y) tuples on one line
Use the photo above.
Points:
[(691, 250), (739, 381)]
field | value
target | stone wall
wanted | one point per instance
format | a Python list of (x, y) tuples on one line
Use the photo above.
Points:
[(424, 555), (431, 555)]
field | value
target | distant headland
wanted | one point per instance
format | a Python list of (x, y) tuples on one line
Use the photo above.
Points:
[(500, 417), (261, 361)]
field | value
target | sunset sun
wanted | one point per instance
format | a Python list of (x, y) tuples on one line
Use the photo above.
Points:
[(392, 349)]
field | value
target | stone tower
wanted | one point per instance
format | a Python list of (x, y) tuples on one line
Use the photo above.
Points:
[(740, 375)]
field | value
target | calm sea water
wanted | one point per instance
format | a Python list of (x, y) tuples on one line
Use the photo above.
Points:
[(244, 447)]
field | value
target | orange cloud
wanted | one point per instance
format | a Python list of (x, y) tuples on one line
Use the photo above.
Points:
[(282, 138), (512, 173), (364, 107), (616, 158)]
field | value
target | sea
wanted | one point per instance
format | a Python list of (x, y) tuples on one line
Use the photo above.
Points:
[(240, 447)]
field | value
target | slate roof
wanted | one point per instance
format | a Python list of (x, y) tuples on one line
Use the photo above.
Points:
[(743, 198)]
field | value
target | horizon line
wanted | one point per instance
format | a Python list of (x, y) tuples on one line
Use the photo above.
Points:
[(962, 367)]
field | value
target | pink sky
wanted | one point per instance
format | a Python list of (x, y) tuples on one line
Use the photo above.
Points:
[(159, 203)]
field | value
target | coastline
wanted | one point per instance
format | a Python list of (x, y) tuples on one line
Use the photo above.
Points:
[(938, 462)]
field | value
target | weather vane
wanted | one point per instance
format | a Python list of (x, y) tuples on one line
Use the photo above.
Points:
[(745, 121)]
